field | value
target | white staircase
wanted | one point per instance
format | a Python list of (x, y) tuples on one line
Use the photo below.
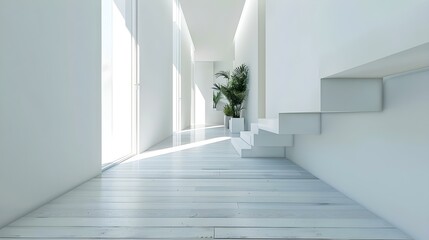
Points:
[(261, 138), (247, 151), (270, 137), (292, 123), (260, 143)]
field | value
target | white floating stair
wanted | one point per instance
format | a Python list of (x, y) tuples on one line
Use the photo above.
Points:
[(292, 123), (351, 95), (260, 143), (247, 151), (267, 139)]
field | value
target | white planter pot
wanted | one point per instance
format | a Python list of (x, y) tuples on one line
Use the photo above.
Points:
[(226, 121), (236, 125)]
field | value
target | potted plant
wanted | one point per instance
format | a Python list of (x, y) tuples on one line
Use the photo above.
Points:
[(235, 91)]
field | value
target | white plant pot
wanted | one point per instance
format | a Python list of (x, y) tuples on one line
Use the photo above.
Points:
[(236, 125), (226, 121)]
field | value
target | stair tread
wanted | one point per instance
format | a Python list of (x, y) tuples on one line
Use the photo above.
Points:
[(240, 143)]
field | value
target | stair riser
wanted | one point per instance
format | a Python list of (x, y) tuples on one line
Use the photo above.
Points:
[(299, 123), (351, 95), (273, 140)]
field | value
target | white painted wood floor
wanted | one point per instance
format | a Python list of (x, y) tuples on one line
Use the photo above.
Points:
[(195, 191)]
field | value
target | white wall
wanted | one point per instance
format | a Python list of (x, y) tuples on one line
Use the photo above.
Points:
[(249, 43), (50, 100), (222, 66), (307, 40), (292, 57), (187, 72), (155, 44), (203, 95), (379, 159)]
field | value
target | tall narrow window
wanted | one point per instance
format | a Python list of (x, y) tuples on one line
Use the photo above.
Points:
[(118, 80)]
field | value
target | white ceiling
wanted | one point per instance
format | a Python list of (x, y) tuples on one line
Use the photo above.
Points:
[(212, 24)]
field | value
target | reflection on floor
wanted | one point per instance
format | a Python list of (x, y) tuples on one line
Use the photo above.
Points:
[(195, 186)]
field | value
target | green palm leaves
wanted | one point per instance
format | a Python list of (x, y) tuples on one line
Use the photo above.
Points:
[(216, 98), (235, 90)]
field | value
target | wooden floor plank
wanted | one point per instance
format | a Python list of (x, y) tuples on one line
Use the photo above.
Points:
[(202, 213), (106, 232), (212, 199), (201, 222), (206, 205), (311, 233)]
